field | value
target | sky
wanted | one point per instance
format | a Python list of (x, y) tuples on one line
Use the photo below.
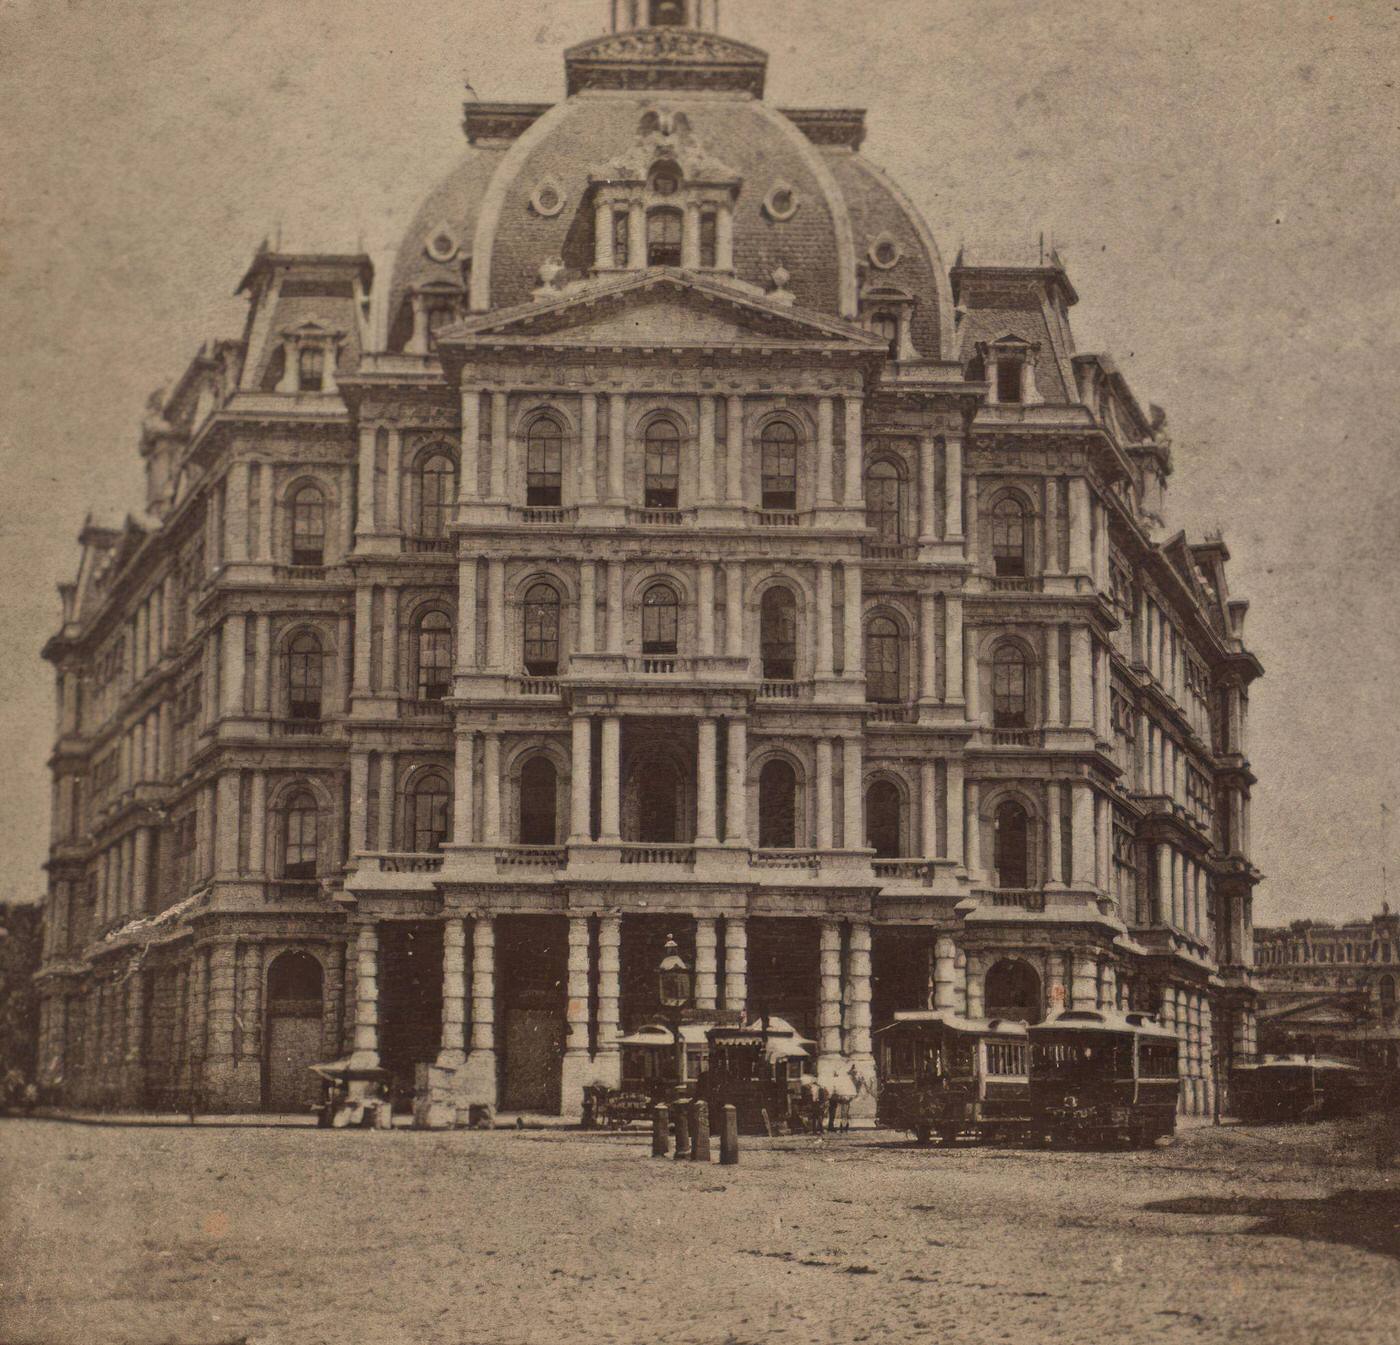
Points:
[(1218, 175)]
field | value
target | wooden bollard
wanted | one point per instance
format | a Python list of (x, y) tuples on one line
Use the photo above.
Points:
[(660, 1130), (729, 1135), (682, 1134), (700, 1133)]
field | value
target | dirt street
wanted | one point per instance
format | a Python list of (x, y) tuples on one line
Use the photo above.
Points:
[(274, 1236)]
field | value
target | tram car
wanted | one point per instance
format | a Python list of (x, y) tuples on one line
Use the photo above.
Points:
[(1100, 1079), (760, 1071), (648, 1075), (1298, 1088), (945, 1075)]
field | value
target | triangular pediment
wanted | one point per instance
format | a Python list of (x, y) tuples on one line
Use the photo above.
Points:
[(667, 309)]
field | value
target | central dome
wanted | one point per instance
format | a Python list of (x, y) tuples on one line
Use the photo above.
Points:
[(664, 153)]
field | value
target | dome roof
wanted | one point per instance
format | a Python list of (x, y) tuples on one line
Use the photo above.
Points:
[(804, 199)]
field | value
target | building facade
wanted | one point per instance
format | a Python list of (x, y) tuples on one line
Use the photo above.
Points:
[(663, 542), (1327, 989)]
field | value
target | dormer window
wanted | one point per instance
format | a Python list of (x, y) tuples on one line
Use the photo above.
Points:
[(1009, 378), (621, 237), (709, 240), (667, 14), (665, 229), (886, 326), (311, 367)]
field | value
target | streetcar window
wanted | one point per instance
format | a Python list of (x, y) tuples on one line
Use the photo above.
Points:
[(1006, 1057), (960, 1057)]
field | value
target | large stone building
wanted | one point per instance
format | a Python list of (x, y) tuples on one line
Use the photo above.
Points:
[(665, 542), (1330, 989)]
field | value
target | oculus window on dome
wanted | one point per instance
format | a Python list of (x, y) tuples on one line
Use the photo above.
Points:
[(781, 203)]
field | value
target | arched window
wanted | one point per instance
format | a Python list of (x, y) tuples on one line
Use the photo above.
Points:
[(886, 326), (1011, 852), (882, 660), (667, 13), (779, 466), (1012, 990), (659, 802), (308, 526), (436, 488), (777, 806), (294, 983), (311, 367), (660, 620), (299, 843), (665, 179), (542, 630), (434, 656), (1009, 684), (1009, 538), (882, 813), (663, 465), (539, 795), (664, 237), (778, 634), (884, 501), (429, 807), (544, 466), (305, 674)]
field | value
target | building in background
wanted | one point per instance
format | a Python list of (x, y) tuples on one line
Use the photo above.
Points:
[(1328, 989), (665, 541)]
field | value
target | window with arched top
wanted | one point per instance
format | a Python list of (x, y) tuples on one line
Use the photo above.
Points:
[(1010, 685), (667, 13), (436, 489), (542, 630), (429, 810), (544, 464), (1012, 990), (777, 806), (883, 659), (1010, 538), (665, 178), (300, 849), (882, 819), (779, 466), (311, 368), (664, 230), (308, 526), (1011, 851), (434, 656), (778, 634), (660, 620), (884, 501), (294, 982), (663, 465), (539, 802), (305, 676)]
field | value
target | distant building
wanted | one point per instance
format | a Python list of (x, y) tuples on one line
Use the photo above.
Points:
[(667, 541), (1330, 989)]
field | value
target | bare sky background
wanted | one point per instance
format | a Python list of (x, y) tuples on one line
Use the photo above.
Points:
[(1219, 175)]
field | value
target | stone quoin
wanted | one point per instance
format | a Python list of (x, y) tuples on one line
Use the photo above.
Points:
[(665, 543)]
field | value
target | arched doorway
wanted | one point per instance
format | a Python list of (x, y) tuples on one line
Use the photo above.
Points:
[(1012, 990), (293, 1036)]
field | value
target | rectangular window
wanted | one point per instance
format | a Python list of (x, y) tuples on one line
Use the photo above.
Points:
[(709, 239), (621, 239), (1008, 379)]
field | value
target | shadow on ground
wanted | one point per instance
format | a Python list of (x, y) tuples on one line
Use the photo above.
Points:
[(1369, 1220)]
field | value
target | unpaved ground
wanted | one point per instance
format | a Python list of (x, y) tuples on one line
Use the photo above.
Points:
[(210, 1235)]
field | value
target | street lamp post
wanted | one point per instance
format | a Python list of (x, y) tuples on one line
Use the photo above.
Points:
[(674, 983)]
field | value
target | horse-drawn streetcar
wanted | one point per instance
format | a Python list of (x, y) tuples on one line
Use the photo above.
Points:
[(946, 1075), (1100, 1079)]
